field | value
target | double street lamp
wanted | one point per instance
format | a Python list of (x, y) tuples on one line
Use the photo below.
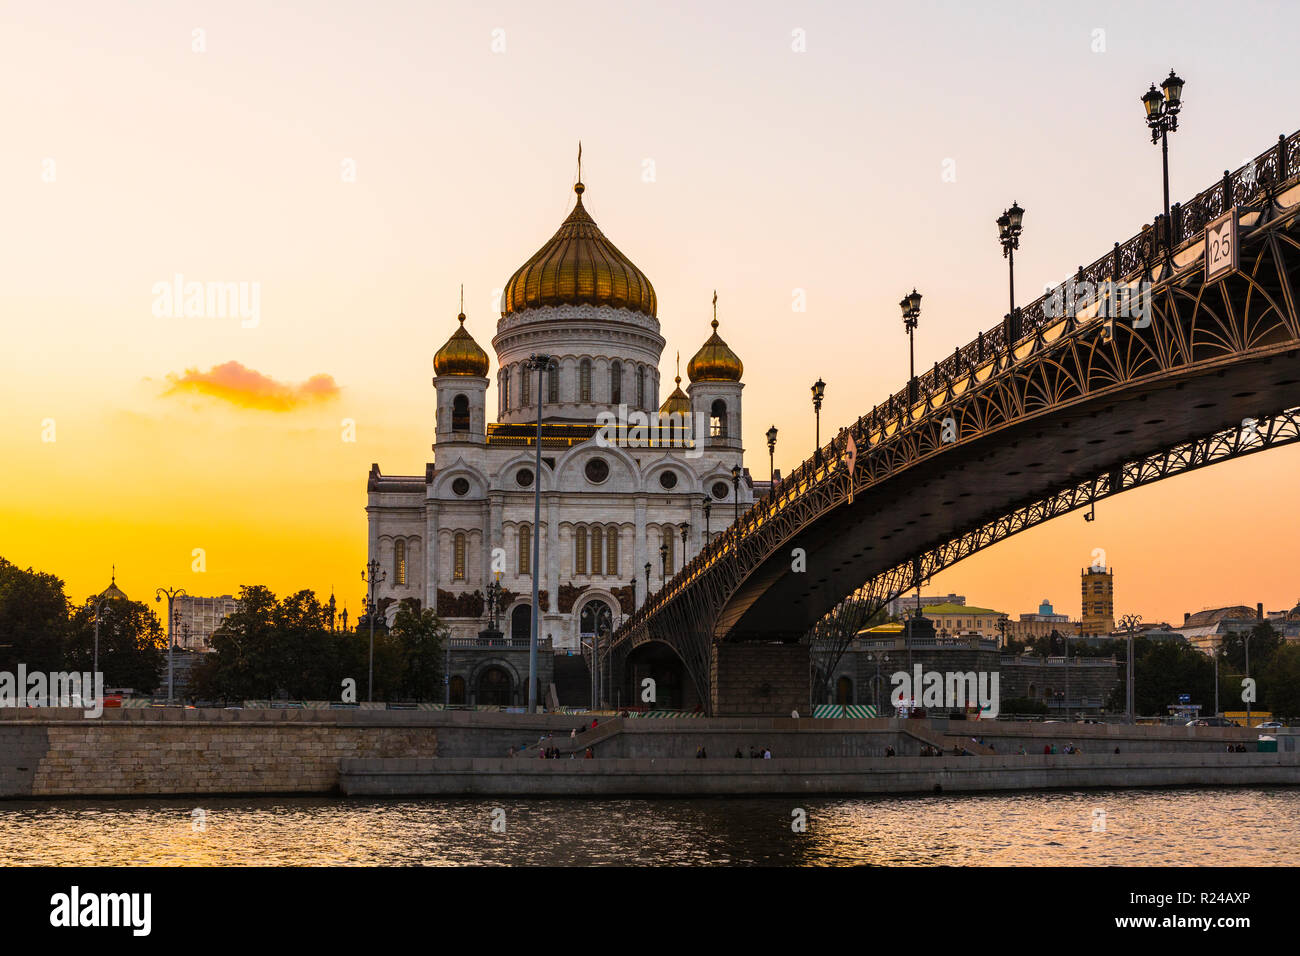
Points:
[(541, 363), (1009, 228), (911, 306), (735, 492), (818, 392), (1162, 119), (708, 502), (372, 576), (1130, 623), (172, 594)]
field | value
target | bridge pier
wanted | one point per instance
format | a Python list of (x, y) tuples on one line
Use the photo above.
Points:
[(769, 680)]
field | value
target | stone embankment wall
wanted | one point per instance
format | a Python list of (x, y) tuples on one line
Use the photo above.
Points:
[(809, 775)]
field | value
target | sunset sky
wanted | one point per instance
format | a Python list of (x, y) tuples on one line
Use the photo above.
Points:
[(130, 157)]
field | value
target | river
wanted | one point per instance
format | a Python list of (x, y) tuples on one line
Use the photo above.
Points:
[(1175, 827)]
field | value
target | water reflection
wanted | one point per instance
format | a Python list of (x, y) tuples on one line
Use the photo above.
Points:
[(1102, 828)]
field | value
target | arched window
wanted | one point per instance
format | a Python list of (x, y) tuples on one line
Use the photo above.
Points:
[(553, 385), (611, 551), (584, 381), (505, 390), (458, 557), (580, 551), (399, 562), (525, 388), (670, 538), (460, 414), (525, 549), (595, 550), (640, 386), (616, 383), (718, 419)]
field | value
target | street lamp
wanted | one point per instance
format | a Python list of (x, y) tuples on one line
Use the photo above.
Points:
[(172, 595), (663, 561), (735, 491), (879, 658), (1130, 621), (708, 502), (647, 580), (771, 455), (686, 529), (540, 363), (818, 392), (1009, 227), (1162, 119), (375, 577), (911, 306)]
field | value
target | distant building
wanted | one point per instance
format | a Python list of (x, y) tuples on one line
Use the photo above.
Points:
[(1042, 624), (1098, 604), (959, 620), (195, 618), (898, 605)]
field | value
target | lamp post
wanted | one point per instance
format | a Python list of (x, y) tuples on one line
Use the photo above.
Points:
[(771, 456), (735, 492), (540, 363), (1002, 631), (818, 393), (663, 562), (708, 501), (172, 595), (1130, 621), (1162, 119), (647, 580), (686, 529), (1216, 678), (911, 306), (879, 658), (372, 576), (1009, 234)]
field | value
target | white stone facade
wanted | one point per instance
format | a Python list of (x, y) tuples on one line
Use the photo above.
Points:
[(434, 535)]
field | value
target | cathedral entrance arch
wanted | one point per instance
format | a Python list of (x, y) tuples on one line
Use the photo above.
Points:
[(494, 687), (521, 619)]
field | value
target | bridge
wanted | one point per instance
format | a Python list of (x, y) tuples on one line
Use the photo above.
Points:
[(1066, 402)]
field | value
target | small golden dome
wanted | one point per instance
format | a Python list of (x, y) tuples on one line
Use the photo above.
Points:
[(677, 403), (715, 362), (461, 355), (579, 266)]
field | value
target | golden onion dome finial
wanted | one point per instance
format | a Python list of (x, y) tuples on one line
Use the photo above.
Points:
[(579, 266), (461, 355), (715, 361), (677, 403)]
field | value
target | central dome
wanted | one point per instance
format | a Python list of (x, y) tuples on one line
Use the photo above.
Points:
[(579, 266)]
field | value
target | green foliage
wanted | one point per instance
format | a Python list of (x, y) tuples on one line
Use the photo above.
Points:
[(1021, 705), (132, 646), (33, 619), (1279, 682)]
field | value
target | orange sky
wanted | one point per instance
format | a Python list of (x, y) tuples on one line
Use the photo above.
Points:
[(132, 157)]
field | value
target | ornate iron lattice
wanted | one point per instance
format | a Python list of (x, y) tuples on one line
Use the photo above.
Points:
[(1054, 362)]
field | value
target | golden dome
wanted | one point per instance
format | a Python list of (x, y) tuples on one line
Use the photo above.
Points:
[(677, 403), (715, 362), (461, 355), (579, 266)]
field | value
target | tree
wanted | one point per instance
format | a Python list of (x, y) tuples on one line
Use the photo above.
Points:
[(1279, 682), (132, 646), (33, 619), (420, 636)]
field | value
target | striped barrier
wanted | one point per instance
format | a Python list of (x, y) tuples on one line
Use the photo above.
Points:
[(851, 711)]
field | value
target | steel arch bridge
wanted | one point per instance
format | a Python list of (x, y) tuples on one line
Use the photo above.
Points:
[(1064, 403)]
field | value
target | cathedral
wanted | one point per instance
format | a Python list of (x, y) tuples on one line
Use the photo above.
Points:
[(623, 507)]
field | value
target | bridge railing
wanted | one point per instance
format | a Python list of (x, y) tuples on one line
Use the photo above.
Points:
[(1273, 170)]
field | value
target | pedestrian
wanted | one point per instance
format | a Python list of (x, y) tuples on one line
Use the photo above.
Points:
[(1116, 750), (739, 755), (704, 754), (512, 750), (588, 755), (767, 753), (593, 723), (573, 733), (1047, 749)]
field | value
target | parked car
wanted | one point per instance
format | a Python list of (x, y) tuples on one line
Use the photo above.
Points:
[(1271, 725), (1212, 722)]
